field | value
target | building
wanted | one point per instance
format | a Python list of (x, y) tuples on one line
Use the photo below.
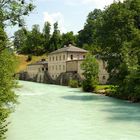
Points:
[(103, 74), (66, 59), (36, 70), (62, 65)]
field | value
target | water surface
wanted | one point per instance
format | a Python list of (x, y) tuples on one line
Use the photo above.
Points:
[(49, 112)]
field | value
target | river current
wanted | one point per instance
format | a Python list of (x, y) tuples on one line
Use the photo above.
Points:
[(51, 112)]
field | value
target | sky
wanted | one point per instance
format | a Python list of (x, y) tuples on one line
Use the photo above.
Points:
[(70, 14)]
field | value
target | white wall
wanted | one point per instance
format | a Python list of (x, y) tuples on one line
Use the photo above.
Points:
[(57, 62), (33, 70)]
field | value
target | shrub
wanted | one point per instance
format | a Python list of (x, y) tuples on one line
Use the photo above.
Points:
[(88, 86), (73, 83), (91, 69), (29, 58)]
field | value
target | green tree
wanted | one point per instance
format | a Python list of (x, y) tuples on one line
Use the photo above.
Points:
[(11, 12), (68, 38), (91, 69), (46, 35), (7, 96), (20, 38), (87, 36), (55, 40), (118, 36), (35, 41)]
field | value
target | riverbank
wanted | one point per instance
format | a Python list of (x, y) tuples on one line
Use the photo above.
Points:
[(110, 90)]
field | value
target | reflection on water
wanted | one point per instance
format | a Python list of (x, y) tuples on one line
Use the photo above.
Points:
[(49, 112)]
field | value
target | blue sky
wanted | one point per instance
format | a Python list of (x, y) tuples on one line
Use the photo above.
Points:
[(70, 14)]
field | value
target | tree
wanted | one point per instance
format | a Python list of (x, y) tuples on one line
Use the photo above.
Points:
[(118, 35), (20, 38), (87, 36), (47, 35), (35, 41), (55, 40), (91, 69), (7, 96), (11, 12), (46, 30), (68, 38)]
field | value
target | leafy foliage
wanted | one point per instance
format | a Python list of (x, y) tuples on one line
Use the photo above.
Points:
[(11, 13), (36, 42), (114, 34), (90, 68), (7, 96), (73, 83)]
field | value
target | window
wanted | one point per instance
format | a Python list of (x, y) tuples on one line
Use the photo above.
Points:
[(59, 67), (104, 77), (46, 69), (63, 57), (56, 67), (60, 57), (42, 69), (84, 56), (56, 58), (63, 67), (71, 56), (53, 58)]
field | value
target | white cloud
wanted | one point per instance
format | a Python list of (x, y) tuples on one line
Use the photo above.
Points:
[(55, 17), (96, 3)]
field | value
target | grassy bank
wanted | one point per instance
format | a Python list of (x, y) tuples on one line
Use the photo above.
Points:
[(104, 89), (110, 90), (22, 61)]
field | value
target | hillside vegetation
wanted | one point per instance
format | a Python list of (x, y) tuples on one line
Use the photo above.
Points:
[(22, 61)]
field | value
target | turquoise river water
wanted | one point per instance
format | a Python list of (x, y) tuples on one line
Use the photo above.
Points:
[(50, 112)]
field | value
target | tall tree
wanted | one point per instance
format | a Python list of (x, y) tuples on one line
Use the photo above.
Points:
[(55, 41), (34, 42), (68, 38), (118, 36), (91, 69), (11, 12), (20, 38), (47, 35), (87, 36), (47, 30)]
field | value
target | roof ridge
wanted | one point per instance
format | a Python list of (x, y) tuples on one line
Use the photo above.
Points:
[(69, 48)]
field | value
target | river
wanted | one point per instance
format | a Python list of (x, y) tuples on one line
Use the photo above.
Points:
[(50, 112)]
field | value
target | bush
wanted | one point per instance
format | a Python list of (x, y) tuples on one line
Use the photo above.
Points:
[(29, 58), (88, 86), (73, 83), (91, 69)]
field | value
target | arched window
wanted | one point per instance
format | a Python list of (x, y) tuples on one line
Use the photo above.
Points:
[(71, 56), (104, 77)]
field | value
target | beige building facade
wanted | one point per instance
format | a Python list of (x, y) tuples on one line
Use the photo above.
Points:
[(34, 69), (57, 60), (69, 59)]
